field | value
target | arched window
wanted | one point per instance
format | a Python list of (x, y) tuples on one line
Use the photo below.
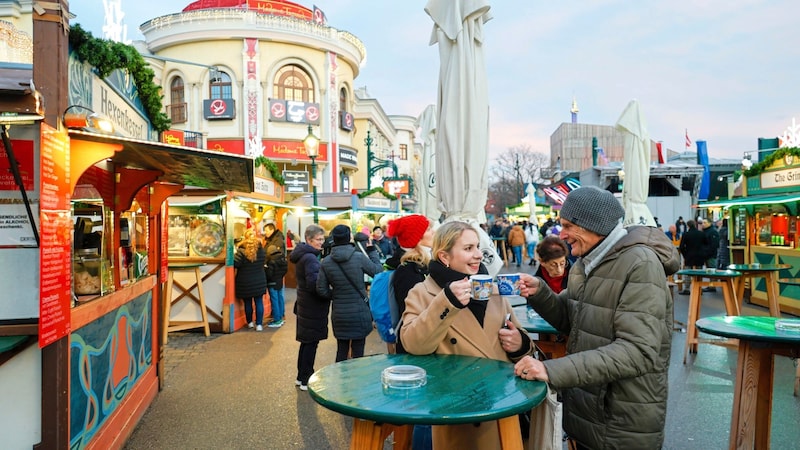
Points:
[(342, 99), (177, 100), (293, 83), (220, 85)]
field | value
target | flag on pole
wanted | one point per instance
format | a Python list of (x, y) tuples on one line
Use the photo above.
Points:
[(602, 154), (688, 141), (318, 16), (660, 153)]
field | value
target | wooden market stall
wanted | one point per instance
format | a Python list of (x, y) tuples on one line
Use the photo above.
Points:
[(204, 227), (84, 259), (764, 224)]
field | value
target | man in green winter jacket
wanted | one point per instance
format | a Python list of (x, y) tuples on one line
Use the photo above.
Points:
[(617, 311)]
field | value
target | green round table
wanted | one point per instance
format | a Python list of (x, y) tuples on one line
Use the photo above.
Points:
[(759, 342), (483, 390), (548, 342), (769, 272)]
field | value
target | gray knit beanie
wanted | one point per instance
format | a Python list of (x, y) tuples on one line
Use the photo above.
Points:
[(594, 209)]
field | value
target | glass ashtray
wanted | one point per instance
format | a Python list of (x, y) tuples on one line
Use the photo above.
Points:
[(788, 325), (404, 377)]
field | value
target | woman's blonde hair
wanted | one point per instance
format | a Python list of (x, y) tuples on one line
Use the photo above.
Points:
[(446, 236), (417, 255), (250, 244)]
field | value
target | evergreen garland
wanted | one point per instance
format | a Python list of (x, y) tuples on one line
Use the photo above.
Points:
[(778, 154), (377, 189), (272, 167), (107, 56)]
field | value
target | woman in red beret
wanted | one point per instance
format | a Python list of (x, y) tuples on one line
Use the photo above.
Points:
[(414, 236)]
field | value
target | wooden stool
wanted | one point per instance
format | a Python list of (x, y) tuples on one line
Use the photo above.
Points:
[(200, 299)]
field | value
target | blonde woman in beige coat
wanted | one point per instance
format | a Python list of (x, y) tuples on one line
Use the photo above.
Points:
[(441, 317)]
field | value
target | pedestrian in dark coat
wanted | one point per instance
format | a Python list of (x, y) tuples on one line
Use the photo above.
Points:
[(724, 255), (342, 280), (275, 269), (250, 283), (310, 308), (694, 245)]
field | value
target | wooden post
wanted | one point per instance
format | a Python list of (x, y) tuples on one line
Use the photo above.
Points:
[(50, 69)]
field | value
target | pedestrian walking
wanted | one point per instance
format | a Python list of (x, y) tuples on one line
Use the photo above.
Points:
[(341, 279), (516, 239)]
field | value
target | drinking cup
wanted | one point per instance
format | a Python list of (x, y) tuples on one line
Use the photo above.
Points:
[(481, 286)]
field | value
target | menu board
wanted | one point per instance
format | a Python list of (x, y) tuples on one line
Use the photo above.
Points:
[(16, 229), (56, 238)]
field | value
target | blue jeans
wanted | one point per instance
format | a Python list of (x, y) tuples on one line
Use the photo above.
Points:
[(422, 438), (517, 249), (278, 303), (248, 309), (532, 249)]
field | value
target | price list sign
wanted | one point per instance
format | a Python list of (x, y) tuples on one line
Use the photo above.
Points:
[(55, 294)]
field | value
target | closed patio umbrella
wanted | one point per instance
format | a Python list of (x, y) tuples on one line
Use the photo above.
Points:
[(462, 126), (428, 204), (636, 184)]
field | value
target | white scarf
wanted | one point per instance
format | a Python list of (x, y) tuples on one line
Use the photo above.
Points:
[(591, 260)]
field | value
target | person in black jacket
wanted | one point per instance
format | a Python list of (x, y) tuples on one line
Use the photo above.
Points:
[(694, 245), (414, 235), (249, 280), (310, 308), (275, 269), (341, 278)]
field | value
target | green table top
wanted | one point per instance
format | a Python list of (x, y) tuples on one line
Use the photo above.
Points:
[(459, 389), (182, 266), (795, 281), (759, 267), (533, 325), (750, 328), (710, 273), (515, 300)]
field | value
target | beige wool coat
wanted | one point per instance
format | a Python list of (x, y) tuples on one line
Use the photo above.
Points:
[(431, 324)]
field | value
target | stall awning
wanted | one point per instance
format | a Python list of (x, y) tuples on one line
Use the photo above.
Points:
[(254, 199), (194, 200), (750, 201), (180, 165)]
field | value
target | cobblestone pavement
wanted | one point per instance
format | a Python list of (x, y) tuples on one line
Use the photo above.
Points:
[(183, 346)]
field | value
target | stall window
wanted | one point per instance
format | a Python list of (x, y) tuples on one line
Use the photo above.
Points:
[(177, 107), (293, 83), (220, 85)]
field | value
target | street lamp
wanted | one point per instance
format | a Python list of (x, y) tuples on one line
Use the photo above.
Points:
[(311, 143), (368, 141)]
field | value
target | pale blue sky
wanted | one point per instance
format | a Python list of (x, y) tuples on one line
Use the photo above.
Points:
[(725, 70)]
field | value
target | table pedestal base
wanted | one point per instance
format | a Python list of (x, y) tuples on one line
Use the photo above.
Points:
[(368, 435)]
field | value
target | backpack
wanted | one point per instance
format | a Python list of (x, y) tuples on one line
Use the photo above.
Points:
[(383, 306)]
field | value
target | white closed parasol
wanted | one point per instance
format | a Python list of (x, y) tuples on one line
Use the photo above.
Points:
[(462, 126), (428, 204), (636, 184)]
